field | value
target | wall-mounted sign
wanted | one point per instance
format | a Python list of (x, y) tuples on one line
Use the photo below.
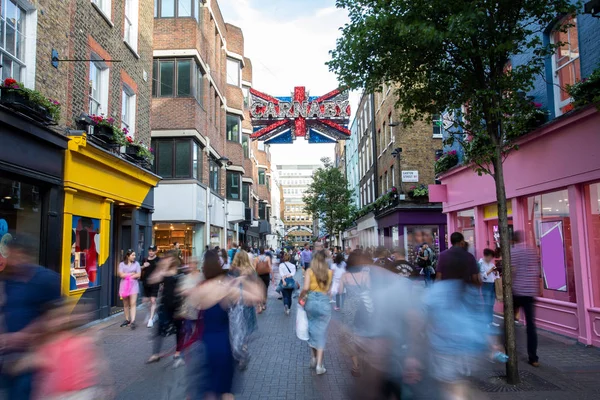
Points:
[(410, 176), (321, 119)]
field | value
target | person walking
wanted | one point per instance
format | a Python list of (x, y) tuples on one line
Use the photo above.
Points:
[(525, 262), (215, 297), (315, 301), (457, 262), (339, 269), (150, 291), (305, 256), (263, 269), (231, 252), (224, 259), (129, 272), (489, 274), (168, 274), (287, 272)]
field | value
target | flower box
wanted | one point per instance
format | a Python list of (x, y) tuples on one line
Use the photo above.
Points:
[(132, 150), (17, 99), (105, 137)]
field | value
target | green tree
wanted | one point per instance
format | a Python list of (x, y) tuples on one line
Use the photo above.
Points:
[(328, 198), (453, 55)]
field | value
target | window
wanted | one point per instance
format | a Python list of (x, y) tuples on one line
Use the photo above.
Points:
[(592, 196), (381, 183), (177, 78), (234, 123), (387, 182), (233, 185), (176, 8), (214, 175), (104, 6), (246, 92), (131, 23), (438, 126), (383, 134), (128, 110), (566, 64), (391, 127), (246, 194), (393, 177), (178, 159), (234, 69), (548, 229), (262, 210), (12, 41), (98, 97), (261, 145), (246, 145)]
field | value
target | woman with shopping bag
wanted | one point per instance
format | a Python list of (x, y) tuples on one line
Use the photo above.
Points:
[(129, 272)]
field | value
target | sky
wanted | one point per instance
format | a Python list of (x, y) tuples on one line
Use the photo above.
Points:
[(288, 42)]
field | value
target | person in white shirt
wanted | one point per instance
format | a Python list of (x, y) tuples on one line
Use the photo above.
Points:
[(489, 274), (339, 269), (287, 272)]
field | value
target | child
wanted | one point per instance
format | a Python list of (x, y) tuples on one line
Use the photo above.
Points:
[(77, 375)]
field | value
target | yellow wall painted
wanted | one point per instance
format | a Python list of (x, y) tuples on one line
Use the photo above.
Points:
[(491, 210), (95, 179)]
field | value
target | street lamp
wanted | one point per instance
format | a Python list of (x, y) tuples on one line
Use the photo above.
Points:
[(396, 153)]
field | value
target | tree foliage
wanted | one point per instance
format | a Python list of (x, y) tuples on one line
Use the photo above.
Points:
[(455, 55), (328, 198)]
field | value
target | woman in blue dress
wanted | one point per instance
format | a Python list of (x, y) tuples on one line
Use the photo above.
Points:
[(215, 297)]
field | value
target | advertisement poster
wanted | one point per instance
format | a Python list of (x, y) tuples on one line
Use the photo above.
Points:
[(84, 253), (417, 235)]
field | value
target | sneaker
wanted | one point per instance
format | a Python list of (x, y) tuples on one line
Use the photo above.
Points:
[(495, 324), (332, 301), (286, 309), (178, 362), (124, 323), (336, 309), (150, 323), (321, 370), (313, 362), (534, 363), (287, 312), (133, 326)]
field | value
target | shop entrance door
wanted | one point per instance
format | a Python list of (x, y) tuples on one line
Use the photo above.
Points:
[(122, 241)]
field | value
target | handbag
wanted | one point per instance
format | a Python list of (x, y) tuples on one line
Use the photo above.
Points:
[(499, 289), (238, 328), (289, 282), (126, 289), (301, 324)]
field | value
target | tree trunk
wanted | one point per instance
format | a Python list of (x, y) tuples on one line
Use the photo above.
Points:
[(512, 367)]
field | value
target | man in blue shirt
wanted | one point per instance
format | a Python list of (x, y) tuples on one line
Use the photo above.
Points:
[(231, 252), (305, 256), (26, 289)]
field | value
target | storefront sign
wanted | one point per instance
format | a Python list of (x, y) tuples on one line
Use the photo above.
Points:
[(410, 176)]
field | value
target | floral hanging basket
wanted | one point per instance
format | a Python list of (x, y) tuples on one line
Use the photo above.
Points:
[(30, 102)]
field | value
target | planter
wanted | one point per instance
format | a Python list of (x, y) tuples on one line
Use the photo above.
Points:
[(132, 151), (104, 136), (16, 99)]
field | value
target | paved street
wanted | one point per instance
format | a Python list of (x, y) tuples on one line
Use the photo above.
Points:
[(279, 366)]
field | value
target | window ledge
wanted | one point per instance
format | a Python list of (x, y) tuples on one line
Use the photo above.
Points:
[(438, 136), (130, 47), (103, 14)]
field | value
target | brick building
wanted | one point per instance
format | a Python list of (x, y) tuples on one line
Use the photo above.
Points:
[(93, 57), (215, 184)]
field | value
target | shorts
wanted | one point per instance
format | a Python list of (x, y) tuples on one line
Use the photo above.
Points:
[(151, 290), (305, 265)]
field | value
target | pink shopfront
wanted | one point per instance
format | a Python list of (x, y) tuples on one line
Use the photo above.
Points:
[(553, 183)]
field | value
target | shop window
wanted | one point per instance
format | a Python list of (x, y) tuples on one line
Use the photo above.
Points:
[(234, 123), (214, 175), (178, 158), (246, 194), (246, 145), (166, 234), (566, 64), (131, 23), (85, 246), (20, 214), (465, 223), (233, 185), (177, 78), (98, 93), (416, 235), (176, 8), (592, 195), (261, 176), (234, 72), (548, 228)]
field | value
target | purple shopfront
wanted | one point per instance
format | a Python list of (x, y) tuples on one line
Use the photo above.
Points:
[(410, 225), (553, 183)]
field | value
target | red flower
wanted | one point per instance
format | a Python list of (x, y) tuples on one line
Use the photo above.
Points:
[(9, 82), (129, 139)]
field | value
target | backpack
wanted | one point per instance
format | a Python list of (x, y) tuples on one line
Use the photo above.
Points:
[(262, 266)]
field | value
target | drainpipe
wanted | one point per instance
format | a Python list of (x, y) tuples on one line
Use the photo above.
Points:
[(208, 205)]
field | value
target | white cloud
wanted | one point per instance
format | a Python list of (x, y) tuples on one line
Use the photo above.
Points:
[(289, 52)]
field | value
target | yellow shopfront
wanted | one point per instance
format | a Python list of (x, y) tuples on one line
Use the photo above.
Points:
[(108, 207)]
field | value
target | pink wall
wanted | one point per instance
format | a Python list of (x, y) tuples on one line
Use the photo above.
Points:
[(560, 154)]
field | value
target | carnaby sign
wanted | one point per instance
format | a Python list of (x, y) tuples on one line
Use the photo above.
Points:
[(319, 119)]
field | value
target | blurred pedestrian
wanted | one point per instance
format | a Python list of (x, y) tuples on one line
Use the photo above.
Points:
[(525, 262), (129, 272), (339, 269), (263, 269), (318, 310), (489, 274), (150, 291), (457, 262), (215, 297), (287, 272), (25, 290), (224, 259), (231, 252)]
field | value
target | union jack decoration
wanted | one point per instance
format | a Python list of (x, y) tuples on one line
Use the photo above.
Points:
[(318, 119)]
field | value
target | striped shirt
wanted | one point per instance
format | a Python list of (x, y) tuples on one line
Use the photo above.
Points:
[(526, 266)]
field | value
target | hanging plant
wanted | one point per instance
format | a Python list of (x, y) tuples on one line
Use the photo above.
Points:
[(587, 91)]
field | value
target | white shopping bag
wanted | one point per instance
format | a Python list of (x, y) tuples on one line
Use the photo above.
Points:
[(301, 324)]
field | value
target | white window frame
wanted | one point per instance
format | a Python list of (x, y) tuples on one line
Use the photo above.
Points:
[(390, 123), (104, 7), (129, 123), (558, 104), (131, 21), (232, 80), (434, 123), (29, 43), (393, 176), (103, 85)]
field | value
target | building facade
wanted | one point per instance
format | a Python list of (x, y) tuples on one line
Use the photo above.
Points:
[(214, 187), (298, 224), (553, 187), (275, 239), (405, 162)]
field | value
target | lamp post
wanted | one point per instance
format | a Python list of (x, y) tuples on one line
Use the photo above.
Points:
[(396, 153)]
